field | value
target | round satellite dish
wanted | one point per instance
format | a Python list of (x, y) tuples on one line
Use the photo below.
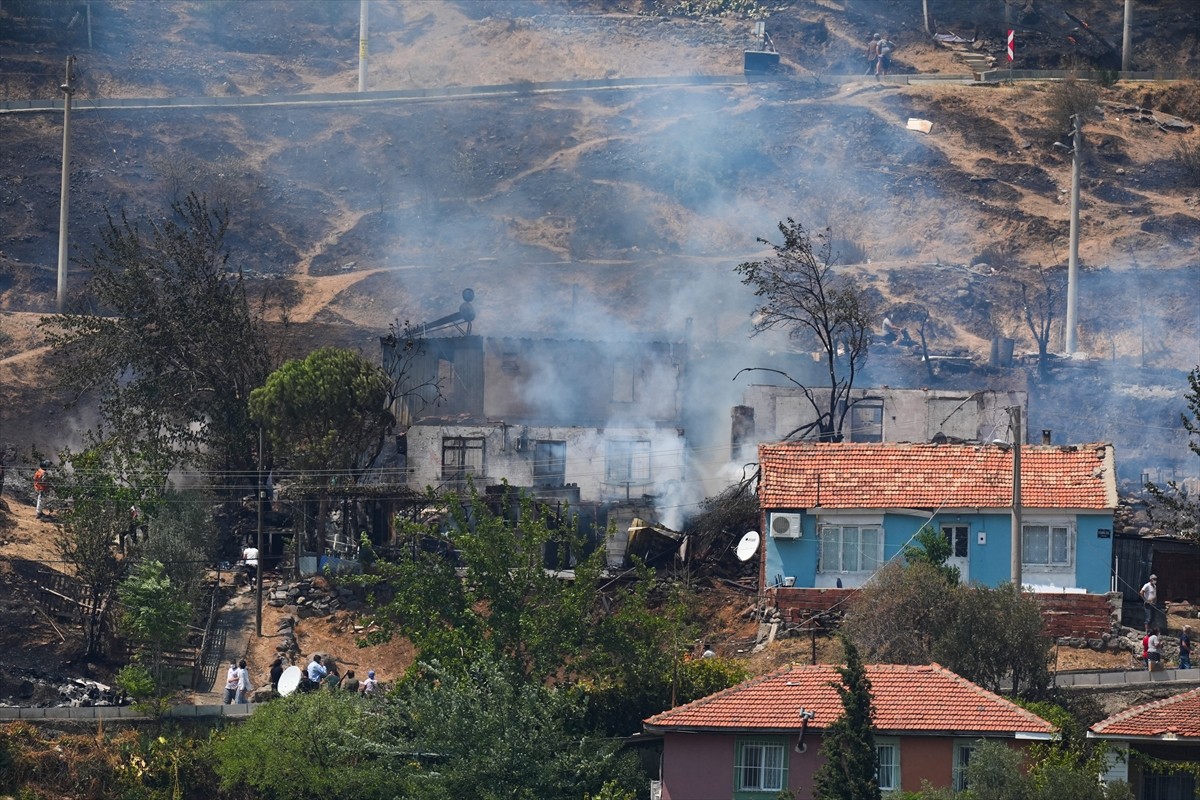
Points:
[(748, 546), (289, 681)]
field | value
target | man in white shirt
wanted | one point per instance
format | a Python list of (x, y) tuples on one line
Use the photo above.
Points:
[(316, 670), (232, 678), (1149, 595), (250, 560)]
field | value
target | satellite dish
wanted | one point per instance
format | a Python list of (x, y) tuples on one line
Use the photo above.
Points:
[(748, 546), (289, 681)]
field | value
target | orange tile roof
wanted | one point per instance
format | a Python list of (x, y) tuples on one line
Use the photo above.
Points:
[(906, 700), (1177, 716), (799, 475)]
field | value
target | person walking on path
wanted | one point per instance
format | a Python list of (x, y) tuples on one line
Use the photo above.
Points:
[(1185, 648), (243, 686), (1149, 595), (231, 682)]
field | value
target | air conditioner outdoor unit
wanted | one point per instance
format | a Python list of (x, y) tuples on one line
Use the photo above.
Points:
[(786, 526)]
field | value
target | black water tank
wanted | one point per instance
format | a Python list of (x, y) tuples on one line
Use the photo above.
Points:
[(760, 61)]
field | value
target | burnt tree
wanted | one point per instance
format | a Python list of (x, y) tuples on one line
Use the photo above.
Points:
[(802, 294)]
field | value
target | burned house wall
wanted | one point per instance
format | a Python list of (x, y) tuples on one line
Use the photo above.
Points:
[(607, 464), (437, 376), (550, 382), (886, 414)]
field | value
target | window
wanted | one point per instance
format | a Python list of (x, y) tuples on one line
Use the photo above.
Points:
[(888, 751), (622, 384), (461, 456), (761, 766), (1047, 545), (851, 548), (549, 463), (1177, 786), (956, 535), (628, 461), (962, 758), (866, 421)]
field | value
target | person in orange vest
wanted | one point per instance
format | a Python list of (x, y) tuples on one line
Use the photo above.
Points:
[(41, 485)]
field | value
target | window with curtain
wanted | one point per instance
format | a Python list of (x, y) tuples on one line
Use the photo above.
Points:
[(761, 765), (1047, 545), (889, 764), (851, 548)]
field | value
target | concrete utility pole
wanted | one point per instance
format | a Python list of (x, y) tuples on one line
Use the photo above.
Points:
[(1127, 37), (1015, 427), (1073, 259), (64, 201), (362, 45), (258, 577)]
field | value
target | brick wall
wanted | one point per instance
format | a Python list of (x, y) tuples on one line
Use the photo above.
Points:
[(1077, 615), (1068, 614)]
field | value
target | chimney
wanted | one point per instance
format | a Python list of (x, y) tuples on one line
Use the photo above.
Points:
[(1045, 436)]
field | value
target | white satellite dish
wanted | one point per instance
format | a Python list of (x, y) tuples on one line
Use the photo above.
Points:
[(289, 681), (748, 546)]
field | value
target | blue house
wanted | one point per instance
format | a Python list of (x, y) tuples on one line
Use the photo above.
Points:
[(834, 513)]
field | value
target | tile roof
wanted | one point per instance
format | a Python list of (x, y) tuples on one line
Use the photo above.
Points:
[(799, 475), (906, 699), (1177, 716)]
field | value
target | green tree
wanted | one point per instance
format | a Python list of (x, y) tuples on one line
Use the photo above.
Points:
[(181, 534), (168, 342), (310, 747), (1172, 505), (850, 770), (899, 616), (802, 294), (932, 548), (485, 734), (96, 517), (327, 411), (996, 634), (153, 616)]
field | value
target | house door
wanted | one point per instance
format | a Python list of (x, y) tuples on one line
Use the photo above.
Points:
[(959, 537)]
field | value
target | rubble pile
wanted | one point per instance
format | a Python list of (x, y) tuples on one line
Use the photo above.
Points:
[(35, 690), (314, 597)]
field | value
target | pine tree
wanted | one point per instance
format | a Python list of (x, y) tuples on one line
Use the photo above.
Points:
[(851, 767)]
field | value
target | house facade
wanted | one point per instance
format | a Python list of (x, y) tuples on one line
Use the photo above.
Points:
[(878, 414), (763, 736), (834, 513), (601, 417), (1148, 742)]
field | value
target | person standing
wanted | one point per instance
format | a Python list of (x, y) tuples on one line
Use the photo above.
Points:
[(708, 652), (1149, 595), (1185, 648), (350, 684), (276, 674), (316, 670), (886, 46), (231, 682), (1153, 656), (370, 685), (243, 686), (41, 485), (872, 53), (250, 560)]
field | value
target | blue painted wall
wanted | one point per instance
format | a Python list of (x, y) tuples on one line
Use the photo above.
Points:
[(988, 563)]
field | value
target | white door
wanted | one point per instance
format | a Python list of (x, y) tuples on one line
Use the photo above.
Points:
[(959, 537)]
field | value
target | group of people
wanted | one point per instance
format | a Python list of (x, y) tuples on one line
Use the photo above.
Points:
[(319, 675), (1152, 641), (879, 55), (237, 683)]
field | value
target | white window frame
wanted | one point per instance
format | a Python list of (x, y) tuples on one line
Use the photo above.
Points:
[(1060, 532), (963, 749), (889, 770), (951, 533), (840, 550), (767, 777)]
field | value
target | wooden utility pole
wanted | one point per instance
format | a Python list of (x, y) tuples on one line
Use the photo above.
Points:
[(1015, 427)]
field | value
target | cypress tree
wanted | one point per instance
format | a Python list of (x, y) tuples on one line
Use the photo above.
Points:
[(851, 767)]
